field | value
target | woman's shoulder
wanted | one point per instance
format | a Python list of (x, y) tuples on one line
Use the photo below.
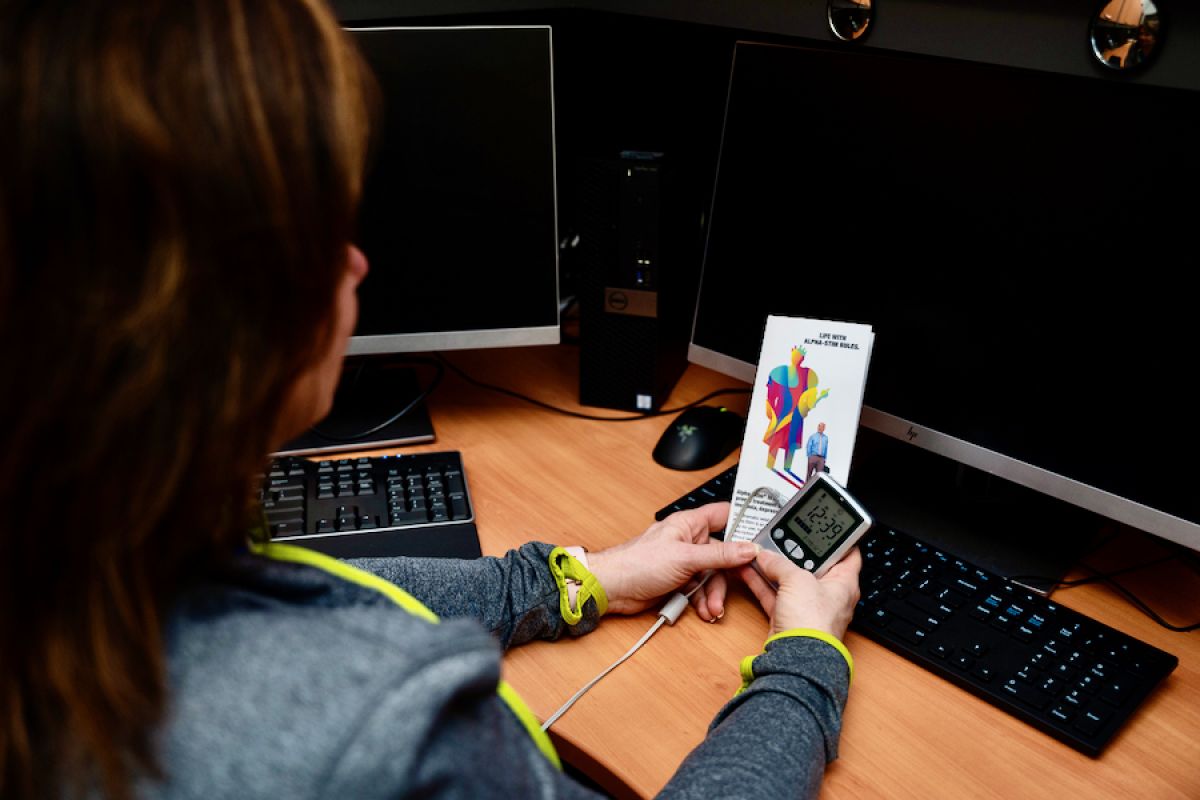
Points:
[(271, 673), (272, 618)]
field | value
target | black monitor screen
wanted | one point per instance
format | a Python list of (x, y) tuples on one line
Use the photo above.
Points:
[(458, 213), (1021, 243)]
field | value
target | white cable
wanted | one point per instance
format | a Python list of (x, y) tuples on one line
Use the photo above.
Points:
[(775, 496), (554, 717), (668, 613)]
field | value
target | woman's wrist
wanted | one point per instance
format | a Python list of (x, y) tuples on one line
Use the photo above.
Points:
[(609, 574)]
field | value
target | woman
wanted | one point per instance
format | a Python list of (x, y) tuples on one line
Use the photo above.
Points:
[(178, 183)]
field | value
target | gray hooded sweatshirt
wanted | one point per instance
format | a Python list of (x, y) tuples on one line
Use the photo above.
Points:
[(291, 681)]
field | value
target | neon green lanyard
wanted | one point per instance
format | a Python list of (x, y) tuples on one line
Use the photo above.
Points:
[(340, 569)]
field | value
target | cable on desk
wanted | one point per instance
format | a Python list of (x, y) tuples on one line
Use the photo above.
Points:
[(1148, 611), (1109, 577), (567, 705), (668, 613), (579, 414)]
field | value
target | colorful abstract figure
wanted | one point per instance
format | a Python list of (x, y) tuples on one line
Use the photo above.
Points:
[(791, 394)]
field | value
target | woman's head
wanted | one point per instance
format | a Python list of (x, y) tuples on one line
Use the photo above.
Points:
[(178, 183)]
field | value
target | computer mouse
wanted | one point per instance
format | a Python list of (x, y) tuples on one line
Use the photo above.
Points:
[(699, 437)]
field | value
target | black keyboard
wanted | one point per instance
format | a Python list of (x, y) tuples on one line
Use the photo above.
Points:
[(717, 488), (413, 504), (1062, 672)]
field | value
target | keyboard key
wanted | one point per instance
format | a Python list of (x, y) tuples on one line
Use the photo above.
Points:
[(292, 494), (912, 615), (1075, 699), (1023, 632), (1029, 695), (1115, 692), (1091, 720), (1064, 672), (929, 606), (907, 631), (1062, 712)]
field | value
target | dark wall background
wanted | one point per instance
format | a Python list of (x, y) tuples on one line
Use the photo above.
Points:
[(652, 75), (1047, 35)]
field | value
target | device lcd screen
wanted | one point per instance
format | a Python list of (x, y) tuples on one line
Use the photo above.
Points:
[(821, 521)]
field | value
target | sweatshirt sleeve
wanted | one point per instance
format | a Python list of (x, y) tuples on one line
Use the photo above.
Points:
[(515, 596), (774, 738)]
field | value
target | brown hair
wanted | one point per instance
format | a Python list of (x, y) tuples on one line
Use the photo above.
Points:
[(178, 181)]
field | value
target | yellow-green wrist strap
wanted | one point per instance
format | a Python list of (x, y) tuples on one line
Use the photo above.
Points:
[(746, 668), (565, 567)]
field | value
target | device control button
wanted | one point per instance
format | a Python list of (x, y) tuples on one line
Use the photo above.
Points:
[(790, 545), (778, 534), (808, 564)]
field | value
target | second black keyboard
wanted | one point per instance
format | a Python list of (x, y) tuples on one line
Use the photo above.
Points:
[(410, 504), (1060, 671)]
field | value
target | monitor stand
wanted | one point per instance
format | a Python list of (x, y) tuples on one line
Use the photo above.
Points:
[(1008, 529), (370, 392)]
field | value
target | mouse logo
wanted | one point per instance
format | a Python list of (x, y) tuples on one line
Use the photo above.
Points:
[(685, 431)]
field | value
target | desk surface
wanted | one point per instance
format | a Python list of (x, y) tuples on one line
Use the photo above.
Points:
[(534, 474)]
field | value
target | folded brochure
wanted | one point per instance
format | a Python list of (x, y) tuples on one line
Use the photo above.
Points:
[(803, 417)]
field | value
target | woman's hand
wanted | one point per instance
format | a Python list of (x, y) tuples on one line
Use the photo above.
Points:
[(804, 601), (669, 555)]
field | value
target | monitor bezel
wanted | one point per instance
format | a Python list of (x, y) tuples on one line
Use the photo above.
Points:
[(476, 338)]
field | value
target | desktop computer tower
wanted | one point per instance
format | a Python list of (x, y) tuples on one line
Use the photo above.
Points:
[(638, 257)]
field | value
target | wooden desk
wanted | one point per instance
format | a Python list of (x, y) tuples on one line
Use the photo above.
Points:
[(534, 474)]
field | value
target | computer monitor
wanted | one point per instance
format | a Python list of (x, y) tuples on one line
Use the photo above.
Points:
[(1016, 239), (458, 218)]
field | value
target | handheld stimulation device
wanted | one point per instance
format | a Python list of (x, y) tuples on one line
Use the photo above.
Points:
[(816, 527)]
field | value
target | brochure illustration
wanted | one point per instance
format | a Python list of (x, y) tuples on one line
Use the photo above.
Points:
[(803, 417)]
